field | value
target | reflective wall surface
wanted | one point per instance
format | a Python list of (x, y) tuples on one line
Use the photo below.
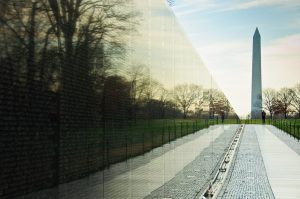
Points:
[(103, 97)]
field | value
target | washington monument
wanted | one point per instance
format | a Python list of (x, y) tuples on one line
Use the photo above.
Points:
[(256, 95)]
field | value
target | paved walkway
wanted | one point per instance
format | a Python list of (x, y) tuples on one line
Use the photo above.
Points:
[(248, 177), (266, 166), (282, 164)]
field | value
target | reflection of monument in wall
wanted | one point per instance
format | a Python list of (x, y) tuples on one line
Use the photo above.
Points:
[(256, 95)]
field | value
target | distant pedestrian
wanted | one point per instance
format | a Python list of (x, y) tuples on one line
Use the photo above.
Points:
[(222, 117), (263, 117)]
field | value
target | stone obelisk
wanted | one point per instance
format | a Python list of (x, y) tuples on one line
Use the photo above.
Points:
[(256, 94)]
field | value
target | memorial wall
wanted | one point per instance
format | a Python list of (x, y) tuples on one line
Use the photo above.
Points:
[(87, 84)]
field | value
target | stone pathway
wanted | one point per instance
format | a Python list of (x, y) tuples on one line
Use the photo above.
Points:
[(248, 178)]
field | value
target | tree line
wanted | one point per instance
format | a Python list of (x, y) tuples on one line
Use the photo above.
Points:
[(284, 102), (148, 98)]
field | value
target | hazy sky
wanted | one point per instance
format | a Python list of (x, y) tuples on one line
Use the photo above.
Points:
[(222, 31)]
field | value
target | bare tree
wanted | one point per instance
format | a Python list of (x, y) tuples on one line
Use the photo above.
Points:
[(269, 96), (139, 77), (284, 101), (90, 35), (25, 22), (163, 97), (153, 90), (225, 104), (187, 95), (296, 99), (199, 102), (218, 102), (82, 25)]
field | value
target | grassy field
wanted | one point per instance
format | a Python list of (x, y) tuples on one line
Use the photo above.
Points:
[(168, 129), (121, 141)]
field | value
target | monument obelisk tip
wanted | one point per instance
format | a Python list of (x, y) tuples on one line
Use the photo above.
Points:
[(256, 32)]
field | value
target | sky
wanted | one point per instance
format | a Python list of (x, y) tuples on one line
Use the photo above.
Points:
[(221, 32)]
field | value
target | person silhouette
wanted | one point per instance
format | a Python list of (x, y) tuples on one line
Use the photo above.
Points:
[(222, 116), (263, 117)]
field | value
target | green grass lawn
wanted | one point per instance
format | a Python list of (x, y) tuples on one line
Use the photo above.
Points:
[(167, 129), (126, 139)]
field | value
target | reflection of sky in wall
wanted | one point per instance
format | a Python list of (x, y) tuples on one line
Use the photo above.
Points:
[(161, 45), (222, 33)]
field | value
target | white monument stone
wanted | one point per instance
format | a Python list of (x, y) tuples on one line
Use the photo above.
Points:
[(256, 94)]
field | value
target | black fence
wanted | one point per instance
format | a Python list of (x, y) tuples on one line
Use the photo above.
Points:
[(292, 127)]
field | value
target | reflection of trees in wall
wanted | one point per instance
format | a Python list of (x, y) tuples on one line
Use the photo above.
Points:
[(66, 44), (54, 61), (148, 96), (218, 103), (116, 99), (151, 100), (185, 96), (29, 70), (64, 91), (83, 28)]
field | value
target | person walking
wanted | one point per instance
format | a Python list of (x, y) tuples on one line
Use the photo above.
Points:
[(263, 117)]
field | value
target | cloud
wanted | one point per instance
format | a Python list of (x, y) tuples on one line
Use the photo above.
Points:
[(186, 7), (259, 3), (294, 23), (281, 62)]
